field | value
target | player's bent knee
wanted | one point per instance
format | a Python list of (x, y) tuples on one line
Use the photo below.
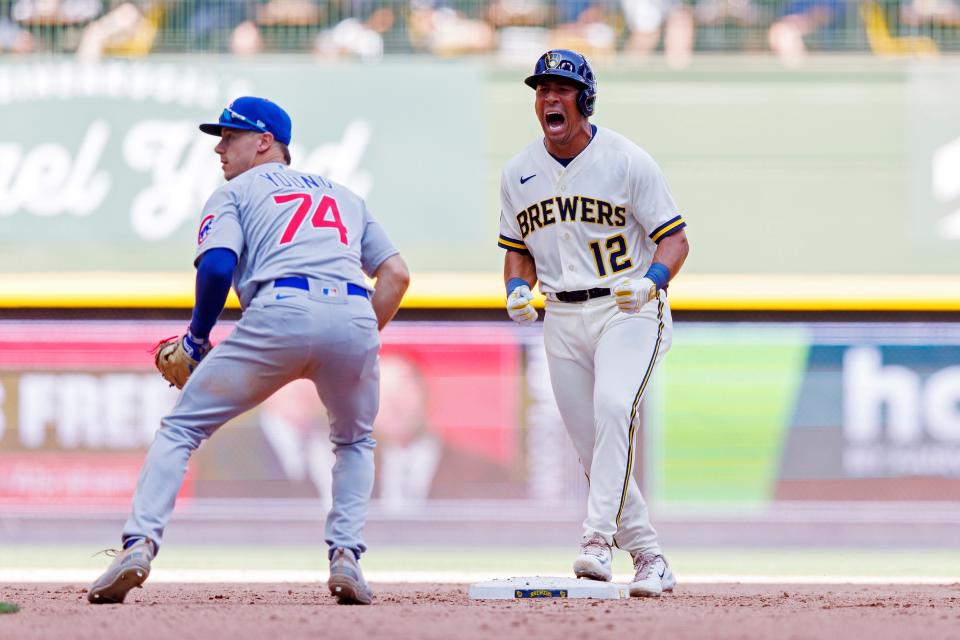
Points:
[(179, 433)]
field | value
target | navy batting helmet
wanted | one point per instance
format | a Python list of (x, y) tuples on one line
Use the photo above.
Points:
[(563, 63)]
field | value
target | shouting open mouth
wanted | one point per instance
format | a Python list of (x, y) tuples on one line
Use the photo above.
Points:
[(555, 121)]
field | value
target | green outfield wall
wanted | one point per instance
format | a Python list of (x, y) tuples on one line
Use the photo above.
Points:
[(846, 169)]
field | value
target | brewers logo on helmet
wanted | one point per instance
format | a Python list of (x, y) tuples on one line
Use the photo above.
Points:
[(563, 63)]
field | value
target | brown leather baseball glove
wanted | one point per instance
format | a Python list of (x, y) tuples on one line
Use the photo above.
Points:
[(177, 356)]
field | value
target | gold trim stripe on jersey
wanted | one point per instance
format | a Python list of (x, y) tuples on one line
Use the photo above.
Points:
[(633, 410), (509, 243), (668, 227)]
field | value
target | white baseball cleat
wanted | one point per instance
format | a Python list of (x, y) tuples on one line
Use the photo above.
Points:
[(594, 560), (653, 576)]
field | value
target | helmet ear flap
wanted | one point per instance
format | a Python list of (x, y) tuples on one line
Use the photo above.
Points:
[(586, 101)]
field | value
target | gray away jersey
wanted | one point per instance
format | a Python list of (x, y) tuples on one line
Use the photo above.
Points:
[(281, 222)]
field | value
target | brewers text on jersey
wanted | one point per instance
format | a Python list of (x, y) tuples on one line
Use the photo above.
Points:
[(575, 209)]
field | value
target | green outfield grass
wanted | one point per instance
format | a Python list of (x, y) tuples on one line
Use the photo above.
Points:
[(517, 561)]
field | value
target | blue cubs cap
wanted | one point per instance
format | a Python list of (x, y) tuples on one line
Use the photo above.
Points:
[(253, 114)]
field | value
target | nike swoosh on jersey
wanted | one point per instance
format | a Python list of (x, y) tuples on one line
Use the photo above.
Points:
[(280, 296), (524, 180)]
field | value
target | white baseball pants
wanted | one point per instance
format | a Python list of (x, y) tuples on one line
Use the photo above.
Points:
[(601, 362)]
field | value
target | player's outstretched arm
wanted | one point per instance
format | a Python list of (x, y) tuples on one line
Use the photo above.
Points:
[(393, 278)]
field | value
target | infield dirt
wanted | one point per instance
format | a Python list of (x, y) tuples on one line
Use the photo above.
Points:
[(426, 611)]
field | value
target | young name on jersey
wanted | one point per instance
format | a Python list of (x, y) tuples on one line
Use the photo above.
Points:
[(300, 181)]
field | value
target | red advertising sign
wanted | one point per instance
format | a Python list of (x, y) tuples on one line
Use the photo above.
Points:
[(81, 403)]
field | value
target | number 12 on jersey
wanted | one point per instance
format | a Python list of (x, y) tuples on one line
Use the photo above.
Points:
[(616, 250), (318, 220)]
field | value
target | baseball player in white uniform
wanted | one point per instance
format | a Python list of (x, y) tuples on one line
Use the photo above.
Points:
[(295, 247), (588, 214)]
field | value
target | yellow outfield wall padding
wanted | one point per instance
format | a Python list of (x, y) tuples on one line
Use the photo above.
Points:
[(719, 292)]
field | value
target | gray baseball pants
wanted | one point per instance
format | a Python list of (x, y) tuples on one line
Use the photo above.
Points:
[(284, 334)]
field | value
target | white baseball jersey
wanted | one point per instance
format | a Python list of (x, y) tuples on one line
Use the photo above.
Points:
[(589, 224), (281, 222)]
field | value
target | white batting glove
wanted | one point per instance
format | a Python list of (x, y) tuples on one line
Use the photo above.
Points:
[(632, 295), (518, 306)]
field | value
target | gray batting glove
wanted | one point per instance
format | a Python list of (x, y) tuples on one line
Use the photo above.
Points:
[(632, 295), (519, 308)]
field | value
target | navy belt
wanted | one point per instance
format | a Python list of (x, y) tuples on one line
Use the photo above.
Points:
[(299, 282), (582, 295)]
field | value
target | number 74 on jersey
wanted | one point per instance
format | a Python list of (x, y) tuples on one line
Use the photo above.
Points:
[(318, 220)]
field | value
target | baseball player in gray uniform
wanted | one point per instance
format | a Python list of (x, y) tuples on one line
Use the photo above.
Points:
[(295, 247), (589, 214)]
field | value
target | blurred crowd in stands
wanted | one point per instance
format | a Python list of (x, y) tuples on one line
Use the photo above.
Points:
[(513, 29)]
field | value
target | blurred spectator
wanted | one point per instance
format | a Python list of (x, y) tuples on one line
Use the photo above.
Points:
[(516, 29), (356, 38), (125, 30), (584, 26), (55, 12), (742, 13), (245, 39), (522, 28), (14, 38), (570, 11), (211, 23), (288, 13), (646, 19), (246, 27), (941, 13), (518, 13), (799, 19), (439, 28), (734, 25)]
